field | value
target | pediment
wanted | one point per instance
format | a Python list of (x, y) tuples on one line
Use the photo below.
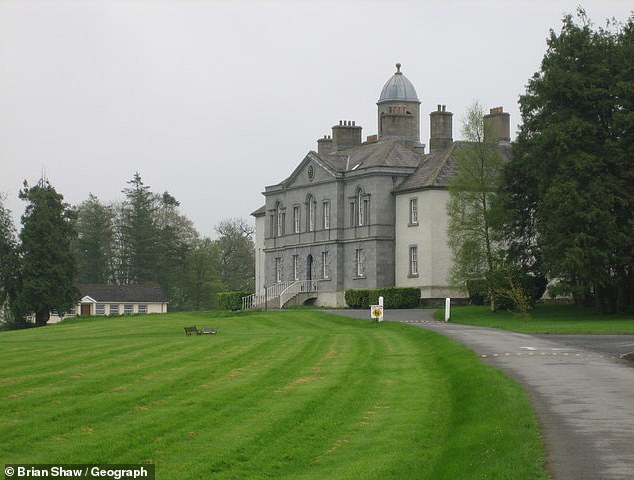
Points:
[(311, 170)]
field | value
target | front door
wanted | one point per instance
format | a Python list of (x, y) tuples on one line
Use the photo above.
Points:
[(85, 309)]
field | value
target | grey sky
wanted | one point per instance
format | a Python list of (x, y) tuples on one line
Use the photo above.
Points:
[(212, 101)]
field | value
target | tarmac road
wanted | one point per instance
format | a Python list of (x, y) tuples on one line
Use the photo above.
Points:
[(583, 393)]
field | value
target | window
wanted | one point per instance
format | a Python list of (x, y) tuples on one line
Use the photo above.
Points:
[(358, 259), (271, 225), (352, 214), (278, 269), (114, 309), (326, 211), (413, 211), (324, 264), (311, 214), (361, 204), (413, 260), (296, 219), (143, 308), (364, 212), (295, 269), (281, 220), (100, 309), (128, 309)]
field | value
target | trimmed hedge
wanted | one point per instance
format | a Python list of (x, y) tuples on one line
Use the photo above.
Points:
[(393, 297), (231, 300)]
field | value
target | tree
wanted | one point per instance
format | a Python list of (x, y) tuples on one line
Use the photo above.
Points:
[(9, 278), (236, 255), (95, 241), (139, 234), (476, 255), (48, 266), (576, 193)]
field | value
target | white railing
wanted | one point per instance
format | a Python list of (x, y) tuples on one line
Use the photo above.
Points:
[(260, 300), (300, 286), (276, 296)]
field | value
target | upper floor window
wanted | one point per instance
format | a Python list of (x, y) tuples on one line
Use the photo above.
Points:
[(311, 213), (281, 222), (363, 208), (413, 211), (278, 269), (296, 219), (326, 212)]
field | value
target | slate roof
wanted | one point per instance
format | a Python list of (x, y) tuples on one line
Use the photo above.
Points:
[(437, 168), (124, 293), (380, 154)]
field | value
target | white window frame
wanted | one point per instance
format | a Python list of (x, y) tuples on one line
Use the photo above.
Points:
[(413, 211), (295, 267), (358, 259), (296, 219), (326, 211), (324, 264), (312, 207), (281, 220), (413, 260)]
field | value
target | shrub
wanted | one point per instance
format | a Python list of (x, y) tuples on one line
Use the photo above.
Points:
[(231, 300), (393, 297)]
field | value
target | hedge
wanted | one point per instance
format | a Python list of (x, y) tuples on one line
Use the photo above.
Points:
[(393, 297), (231, 300)]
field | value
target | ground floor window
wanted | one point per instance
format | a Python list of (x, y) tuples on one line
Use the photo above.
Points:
[(142, 308), (128, 309), (114, 309), (295, 268), (100, 309), (278, 269), (358, 259), (324, 264)]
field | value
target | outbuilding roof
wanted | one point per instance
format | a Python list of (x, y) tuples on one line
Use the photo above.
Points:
[(124, 293)]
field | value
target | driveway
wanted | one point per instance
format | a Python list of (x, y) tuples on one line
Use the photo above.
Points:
[(582, 391)]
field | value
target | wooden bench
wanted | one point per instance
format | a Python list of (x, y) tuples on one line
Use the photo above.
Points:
[(190, 330), (208, 330)]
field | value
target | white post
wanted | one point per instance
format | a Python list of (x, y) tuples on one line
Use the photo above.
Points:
[(447, 309), (381, 301)]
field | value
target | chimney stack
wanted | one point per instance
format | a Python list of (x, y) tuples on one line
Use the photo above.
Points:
[(324, 145), (497, 126), (441, 129), (345, 135)]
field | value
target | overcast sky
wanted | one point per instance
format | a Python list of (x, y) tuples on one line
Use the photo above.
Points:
[(213, 100)]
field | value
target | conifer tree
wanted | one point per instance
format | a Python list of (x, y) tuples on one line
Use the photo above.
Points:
[(48, 266)]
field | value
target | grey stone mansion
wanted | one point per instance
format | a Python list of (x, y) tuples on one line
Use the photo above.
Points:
[(366, 214)]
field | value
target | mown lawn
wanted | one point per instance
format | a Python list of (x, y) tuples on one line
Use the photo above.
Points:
[(288, 395), (545, 318)]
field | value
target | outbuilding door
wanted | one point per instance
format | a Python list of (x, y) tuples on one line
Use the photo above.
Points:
[(85, 309)]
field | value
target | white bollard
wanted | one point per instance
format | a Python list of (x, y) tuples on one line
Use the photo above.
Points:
[(447, 309)]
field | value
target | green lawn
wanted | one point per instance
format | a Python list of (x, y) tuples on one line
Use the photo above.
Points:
[(545, 318), (288, 395)]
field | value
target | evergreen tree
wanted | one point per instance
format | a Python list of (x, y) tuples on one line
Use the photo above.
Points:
[(48, 266), (95, 239), (139, 234), (575, 197)]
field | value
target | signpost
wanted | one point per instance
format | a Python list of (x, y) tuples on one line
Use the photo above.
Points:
[(376, 311)]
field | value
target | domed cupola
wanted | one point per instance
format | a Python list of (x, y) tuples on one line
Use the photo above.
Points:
[(398, 88), (399, 109)]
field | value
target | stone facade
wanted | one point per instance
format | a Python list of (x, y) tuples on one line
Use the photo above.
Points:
[(343, 218)]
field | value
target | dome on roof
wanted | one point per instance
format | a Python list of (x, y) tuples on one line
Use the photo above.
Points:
[(398, 88)]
